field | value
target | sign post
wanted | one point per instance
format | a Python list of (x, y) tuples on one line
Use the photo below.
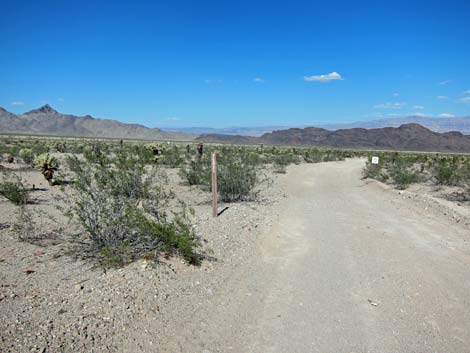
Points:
[(375, 160), (214, 184)]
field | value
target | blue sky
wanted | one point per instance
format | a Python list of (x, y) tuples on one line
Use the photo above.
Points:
[(236, 63)]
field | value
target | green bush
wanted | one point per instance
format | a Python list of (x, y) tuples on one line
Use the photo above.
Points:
[(402, 177), (13, 189), (313, 156), (125, 214), (446, 172), (196, 172), (171, 157), (238, 175), (27, 155), (281, 161)]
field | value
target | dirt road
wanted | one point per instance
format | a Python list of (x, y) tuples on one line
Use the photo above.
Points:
[(349, 267)]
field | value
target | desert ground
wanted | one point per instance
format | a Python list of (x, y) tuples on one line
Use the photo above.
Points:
[(322, 261)]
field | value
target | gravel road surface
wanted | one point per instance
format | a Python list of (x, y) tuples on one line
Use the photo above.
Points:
[(350, 266)]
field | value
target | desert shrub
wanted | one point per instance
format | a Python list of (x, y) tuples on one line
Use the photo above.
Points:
[(125, 214), (24, 226), (238, 175), (333, 155), (27, 155), (196, 172), (375, 171), (38, 147), (47, 165), (402, 176), (446, 172), (13, 189), (171, 157), (371, 170), (281, 161), (313, 156)]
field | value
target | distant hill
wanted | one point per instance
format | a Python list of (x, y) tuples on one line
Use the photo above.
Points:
[(242, 131), (411, 137), (440, 124), (45, 120)]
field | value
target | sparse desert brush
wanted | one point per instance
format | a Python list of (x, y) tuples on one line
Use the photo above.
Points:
[(313, 156), (27, 155), (444, 172), (125, 215), (402, 176), (196, 172), (399, 169), (281, 161), (238, 175), (47, 165), (13, 189), (172, 157)]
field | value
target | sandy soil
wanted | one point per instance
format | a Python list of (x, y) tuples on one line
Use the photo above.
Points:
[(327, 262)]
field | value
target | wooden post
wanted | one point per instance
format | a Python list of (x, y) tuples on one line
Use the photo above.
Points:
[(214, 185)]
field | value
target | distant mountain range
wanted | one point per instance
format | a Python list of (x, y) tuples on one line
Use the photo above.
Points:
[(47, 121), (380, 134), (243, 131), (442, 124), (411, 137)]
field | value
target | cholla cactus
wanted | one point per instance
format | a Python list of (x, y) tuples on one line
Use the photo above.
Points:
[(156, 150), (47, 165)]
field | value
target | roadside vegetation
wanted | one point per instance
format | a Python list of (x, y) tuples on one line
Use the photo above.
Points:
[(12, 188), (404, 169), (115, 192)]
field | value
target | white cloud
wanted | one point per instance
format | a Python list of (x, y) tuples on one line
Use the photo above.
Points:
[(332, 76), (442, 97), (390, 105), (464, 100), (172, 118), (17, 103), (421, 114), (466, 92), (396, 94), (60, 99), (212, 81), (446, 115), (259, 80), (418, 107), (446, 82)]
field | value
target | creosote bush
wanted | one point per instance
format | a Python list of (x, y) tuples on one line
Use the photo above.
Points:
[(196, 172), (13, 189), (238, 174), (27, 155), (125, 215)]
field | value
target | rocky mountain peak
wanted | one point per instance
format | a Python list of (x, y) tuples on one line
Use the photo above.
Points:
[(45, 109)]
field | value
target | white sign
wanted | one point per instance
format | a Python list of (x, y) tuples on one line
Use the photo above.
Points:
[(375, 160)]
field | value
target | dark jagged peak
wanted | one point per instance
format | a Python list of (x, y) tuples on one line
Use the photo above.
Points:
[(45, 109)]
